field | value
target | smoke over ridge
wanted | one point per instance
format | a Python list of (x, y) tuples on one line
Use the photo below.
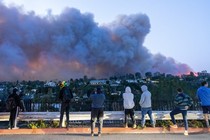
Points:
[(72, 44)]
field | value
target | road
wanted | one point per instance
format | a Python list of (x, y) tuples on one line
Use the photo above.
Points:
[(205, 136)]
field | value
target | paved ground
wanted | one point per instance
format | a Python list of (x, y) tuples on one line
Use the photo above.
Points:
[(204, 136)]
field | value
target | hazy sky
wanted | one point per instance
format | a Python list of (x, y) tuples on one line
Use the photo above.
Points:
[(179, 28)]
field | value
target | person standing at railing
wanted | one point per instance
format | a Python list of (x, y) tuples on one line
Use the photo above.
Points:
[(146, 106), (203, 94), (128, 103), (182, 103), (13, 104), (97, 110), (65, 95)]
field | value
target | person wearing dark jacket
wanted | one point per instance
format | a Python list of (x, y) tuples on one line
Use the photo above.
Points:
[(65, 95), (182, 103), (97, 111), (14, 111)]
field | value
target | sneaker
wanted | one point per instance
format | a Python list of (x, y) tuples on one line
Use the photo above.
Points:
[(153, 125), (92, 134), (174, 126), (99, 134), (207, 125), (15, 128), (134, 126), (186, 133), (143, 126), (126, 126)]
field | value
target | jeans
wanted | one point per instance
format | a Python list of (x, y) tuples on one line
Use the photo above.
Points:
[(184, 115), (65, 106), (129, 112), (148, 111), (97, 114)]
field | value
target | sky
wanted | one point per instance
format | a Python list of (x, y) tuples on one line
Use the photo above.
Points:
[(180, 29)]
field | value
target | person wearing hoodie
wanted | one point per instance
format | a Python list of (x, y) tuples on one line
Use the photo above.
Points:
[(129, 104), (203, 94), (146, 106)]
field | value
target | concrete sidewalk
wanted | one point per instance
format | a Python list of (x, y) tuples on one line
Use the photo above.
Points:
[(105, 130)]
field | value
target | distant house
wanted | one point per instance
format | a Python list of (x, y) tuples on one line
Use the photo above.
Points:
[(98, 82), (50, 84), (1, 89), (132, 81), (203, 73)]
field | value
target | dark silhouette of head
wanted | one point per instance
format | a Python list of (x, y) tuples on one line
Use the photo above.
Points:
[(203, 83), (179, 90), (98, 90)]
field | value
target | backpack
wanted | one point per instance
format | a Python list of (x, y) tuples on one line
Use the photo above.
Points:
[(11, 103), (67, 95)]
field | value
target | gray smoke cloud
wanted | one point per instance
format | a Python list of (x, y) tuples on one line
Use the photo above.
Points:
[(72, 44)]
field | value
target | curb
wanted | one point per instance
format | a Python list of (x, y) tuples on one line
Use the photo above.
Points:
[(105, 130)]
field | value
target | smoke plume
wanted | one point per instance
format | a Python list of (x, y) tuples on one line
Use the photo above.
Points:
[(72, 44)]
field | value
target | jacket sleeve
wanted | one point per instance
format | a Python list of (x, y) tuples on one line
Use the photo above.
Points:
[(18, 101), (178, 99), (142, 99), (70, 91), (190, 101), (60, 95)]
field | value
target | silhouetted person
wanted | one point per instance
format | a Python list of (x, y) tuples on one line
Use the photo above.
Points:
[(65, 96), (14, 106)]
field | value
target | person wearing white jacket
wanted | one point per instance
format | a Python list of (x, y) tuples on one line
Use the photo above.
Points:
[(146, 106), (128, 103)]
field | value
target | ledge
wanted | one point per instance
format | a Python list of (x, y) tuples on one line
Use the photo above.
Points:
[(105, 130)]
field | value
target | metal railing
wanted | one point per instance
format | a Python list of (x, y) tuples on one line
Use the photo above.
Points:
[(110, 105)]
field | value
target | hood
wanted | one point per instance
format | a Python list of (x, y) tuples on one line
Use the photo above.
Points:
[(127, 90), (144, 88)]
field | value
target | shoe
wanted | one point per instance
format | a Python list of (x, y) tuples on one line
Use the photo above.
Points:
[(67, 127), (9, 128), (15, 128), (143, 126), (174, 126), (99, 134), (207, 125), (186, 133), (134, 126), (92, 134), (126, 126), (153, 125)]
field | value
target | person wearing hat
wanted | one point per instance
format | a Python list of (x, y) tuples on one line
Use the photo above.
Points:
[(65, 95)]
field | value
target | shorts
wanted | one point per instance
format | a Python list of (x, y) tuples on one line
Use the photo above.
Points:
[(206, 109)]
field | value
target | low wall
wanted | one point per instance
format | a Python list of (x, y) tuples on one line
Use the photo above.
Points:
[(108, 115)]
